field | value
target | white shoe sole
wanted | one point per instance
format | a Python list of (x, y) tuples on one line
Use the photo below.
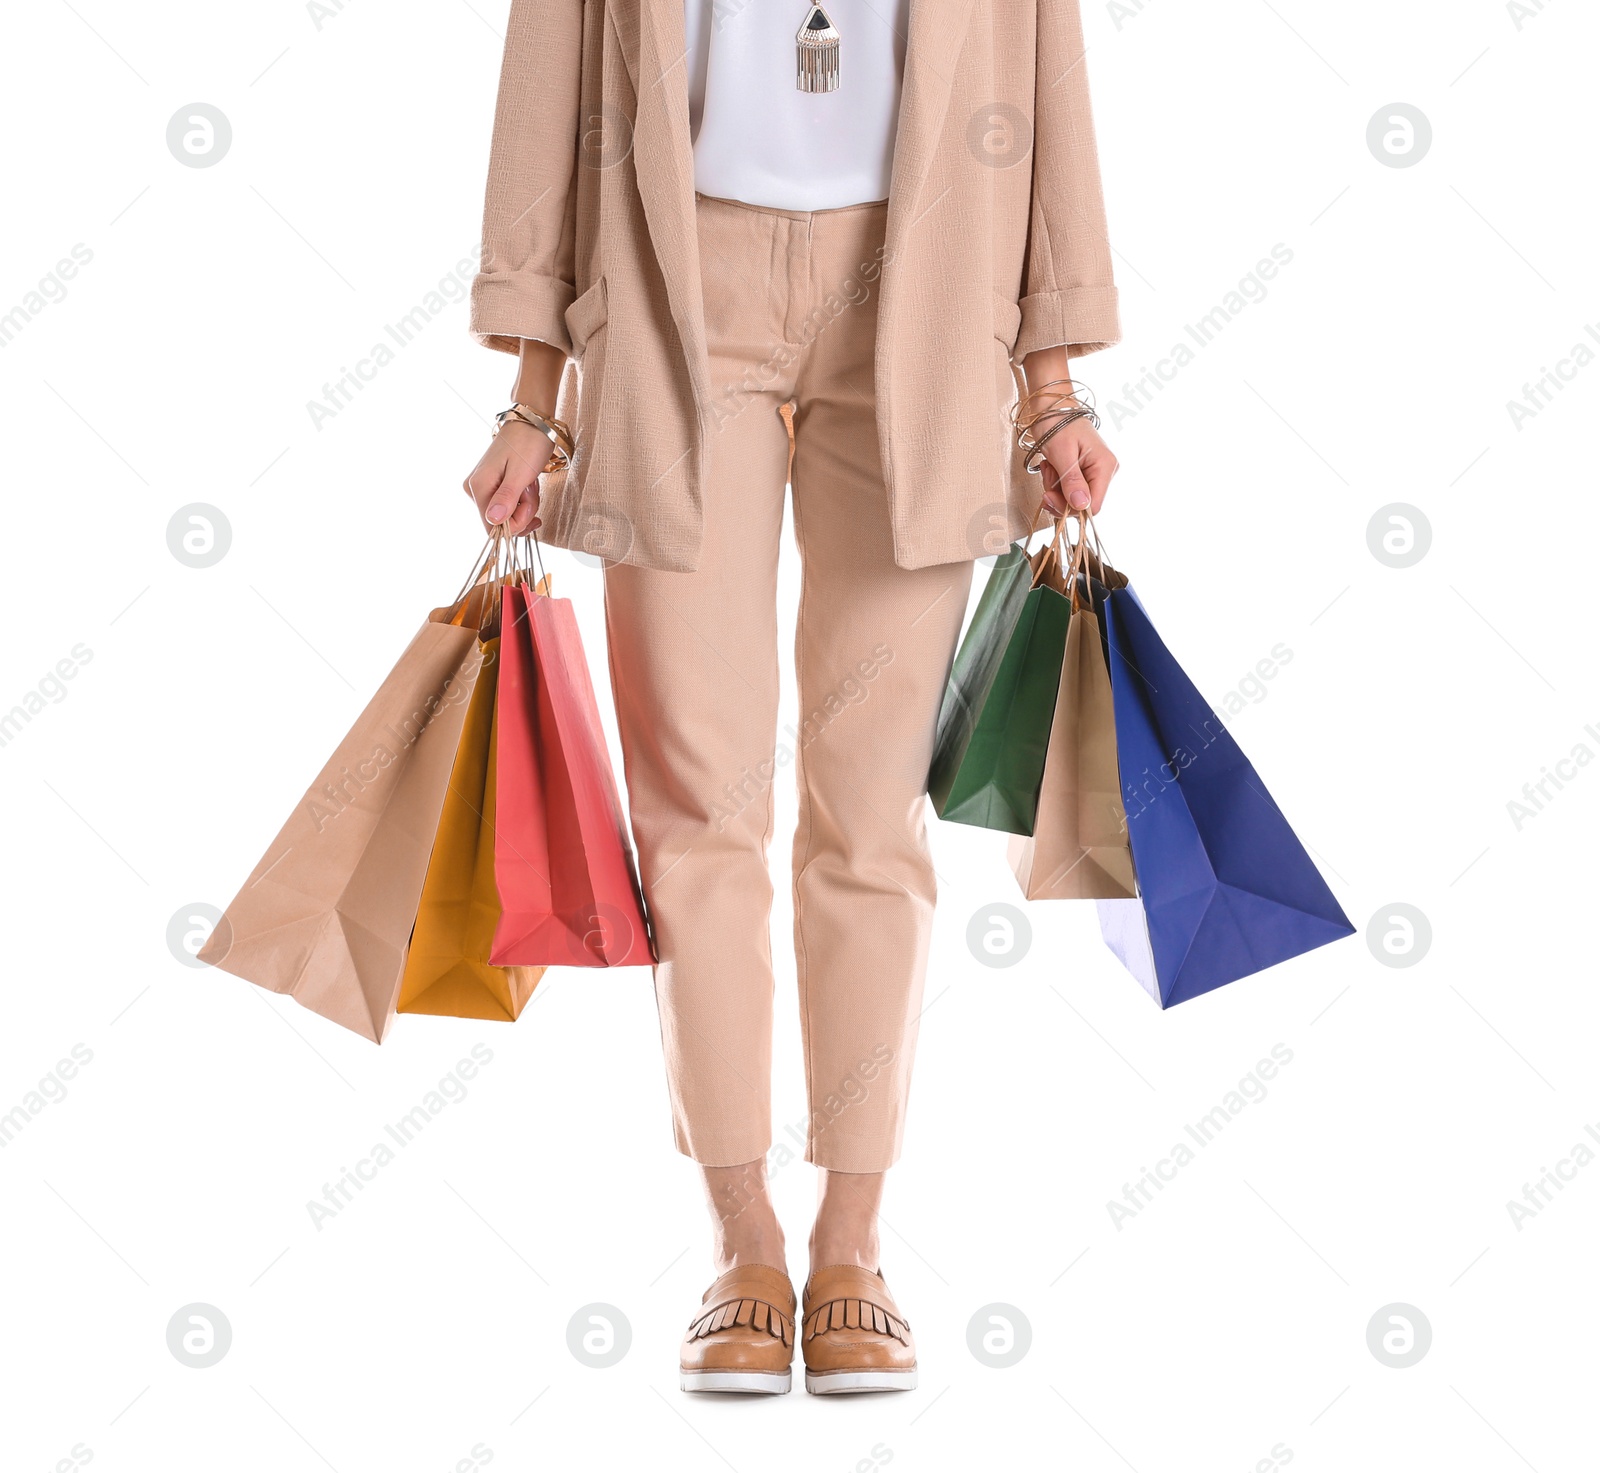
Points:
[(751, 1383), (832, 1383)]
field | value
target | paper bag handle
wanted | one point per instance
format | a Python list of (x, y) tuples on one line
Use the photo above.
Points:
[(506, 559), (1079, 566)]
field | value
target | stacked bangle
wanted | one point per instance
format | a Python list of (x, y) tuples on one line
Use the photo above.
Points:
[(554, 430), (1064, 407)]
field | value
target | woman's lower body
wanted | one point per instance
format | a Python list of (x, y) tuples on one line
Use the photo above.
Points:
[(791, 314), (694, 664)]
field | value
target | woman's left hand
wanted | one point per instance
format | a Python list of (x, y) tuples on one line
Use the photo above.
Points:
[(1078, 469), (1078, 465)]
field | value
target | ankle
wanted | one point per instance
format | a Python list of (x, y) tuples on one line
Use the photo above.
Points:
[(845, 1230), (768, 1251), (835, 1246), (744, 1224), (754, 1236)]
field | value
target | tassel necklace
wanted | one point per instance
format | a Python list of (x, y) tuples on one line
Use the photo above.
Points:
[(817, 53)]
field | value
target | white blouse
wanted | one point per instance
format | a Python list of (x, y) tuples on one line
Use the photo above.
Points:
[(758, 138)]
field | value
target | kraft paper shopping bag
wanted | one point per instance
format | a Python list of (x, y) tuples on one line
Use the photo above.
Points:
[(327, 914), (1079, 849)]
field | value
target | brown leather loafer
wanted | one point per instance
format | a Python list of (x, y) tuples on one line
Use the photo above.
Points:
[(743, 1337), (855, 1337)]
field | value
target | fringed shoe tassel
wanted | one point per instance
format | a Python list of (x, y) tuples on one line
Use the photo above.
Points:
[(856, 1314), (756, 1313), (817, 53)]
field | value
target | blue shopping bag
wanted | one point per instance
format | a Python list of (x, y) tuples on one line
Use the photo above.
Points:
[(1225, 887)]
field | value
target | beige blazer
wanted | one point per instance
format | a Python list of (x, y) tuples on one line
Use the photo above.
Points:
[(996, 246)]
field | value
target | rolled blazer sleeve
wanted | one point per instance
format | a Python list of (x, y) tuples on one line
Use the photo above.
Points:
[(526, 282), (1070, 299)]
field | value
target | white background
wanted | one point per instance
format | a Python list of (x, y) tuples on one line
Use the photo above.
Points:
[(1230, 1317)]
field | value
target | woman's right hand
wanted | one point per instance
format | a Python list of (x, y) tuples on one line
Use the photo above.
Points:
[(505, 483)]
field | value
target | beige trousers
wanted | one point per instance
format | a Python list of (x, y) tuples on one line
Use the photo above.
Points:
[(791, 311)]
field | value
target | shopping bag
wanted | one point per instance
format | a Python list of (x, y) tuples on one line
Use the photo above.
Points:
[(564, 866), (1225, 887), (447, 969), (327, 914), (1079, 848), (999, 703)]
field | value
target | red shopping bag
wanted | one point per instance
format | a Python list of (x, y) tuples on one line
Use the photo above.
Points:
[(569, 895)]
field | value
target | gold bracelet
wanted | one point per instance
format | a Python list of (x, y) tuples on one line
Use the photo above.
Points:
[(554, 430), (1025, 428), (1020, 407), (1065, 407), (1076, 401)]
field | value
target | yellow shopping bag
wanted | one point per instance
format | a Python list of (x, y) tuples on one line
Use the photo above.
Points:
[(447, 970)]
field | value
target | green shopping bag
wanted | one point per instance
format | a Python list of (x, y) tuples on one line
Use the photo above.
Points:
[(994, 724)]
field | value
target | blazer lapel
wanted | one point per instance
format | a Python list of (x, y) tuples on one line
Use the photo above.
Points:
[(664, 165), (935, 35)]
